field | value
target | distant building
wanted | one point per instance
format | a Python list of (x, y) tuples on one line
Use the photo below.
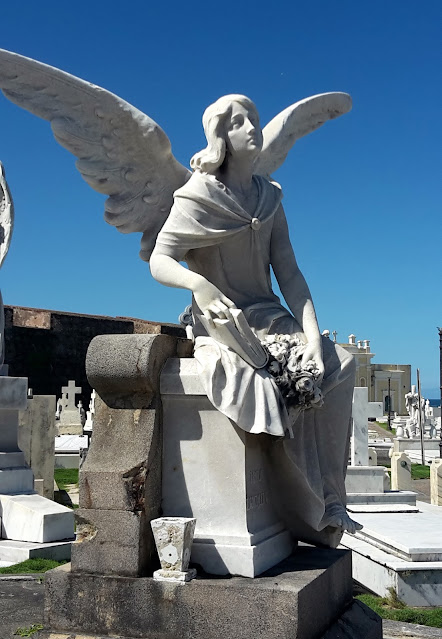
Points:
[(376, 376)]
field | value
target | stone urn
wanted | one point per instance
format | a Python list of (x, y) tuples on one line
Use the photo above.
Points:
[(173, 539)]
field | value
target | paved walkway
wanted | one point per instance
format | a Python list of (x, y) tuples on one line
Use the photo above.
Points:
[(21, 605)]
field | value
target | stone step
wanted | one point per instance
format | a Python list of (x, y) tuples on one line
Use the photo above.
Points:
[(382, 508), (14, 552), (389, 497)]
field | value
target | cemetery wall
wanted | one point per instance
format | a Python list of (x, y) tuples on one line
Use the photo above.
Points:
[(49, 347)]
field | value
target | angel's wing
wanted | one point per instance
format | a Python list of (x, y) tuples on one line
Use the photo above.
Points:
[(121, 151), (6, 216), (293, 123)]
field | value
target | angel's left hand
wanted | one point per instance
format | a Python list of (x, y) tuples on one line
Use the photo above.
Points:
[(313, 351)]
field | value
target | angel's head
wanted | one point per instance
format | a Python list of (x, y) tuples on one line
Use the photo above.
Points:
[(231, 125)]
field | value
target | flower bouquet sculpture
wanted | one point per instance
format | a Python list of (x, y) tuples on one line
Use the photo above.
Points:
[(226, 221)]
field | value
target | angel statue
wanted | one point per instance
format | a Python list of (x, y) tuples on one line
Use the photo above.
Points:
[(265, 367), (6, 226)]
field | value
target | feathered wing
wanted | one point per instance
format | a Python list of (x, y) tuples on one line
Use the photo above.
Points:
[(121, 151), (293, 123), (6, 216)]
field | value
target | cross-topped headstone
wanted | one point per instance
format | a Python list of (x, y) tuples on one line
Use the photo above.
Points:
[(69, 392), (335, 334), (70, 422)]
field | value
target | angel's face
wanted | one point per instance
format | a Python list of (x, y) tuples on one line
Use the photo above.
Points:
[(243, 132)]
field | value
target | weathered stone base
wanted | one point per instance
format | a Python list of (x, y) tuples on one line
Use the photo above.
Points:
[(307, 596)]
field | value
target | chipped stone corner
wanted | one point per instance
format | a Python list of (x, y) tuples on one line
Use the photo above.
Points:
[(85, 531), (135, 483)]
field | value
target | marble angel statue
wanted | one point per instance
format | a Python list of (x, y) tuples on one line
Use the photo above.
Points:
[(6, 227), (226, 221)]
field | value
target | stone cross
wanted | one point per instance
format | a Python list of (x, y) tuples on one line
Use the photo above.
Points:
[(69, 392), (335, 334)]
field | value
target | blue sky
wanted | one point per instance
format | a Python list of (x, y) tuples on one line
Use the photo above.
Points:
[(362, 194)]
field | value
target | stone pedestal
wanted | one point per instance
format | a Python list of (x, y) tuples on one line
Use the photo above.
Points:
[(308, 596), (214, 471), (365, 479)]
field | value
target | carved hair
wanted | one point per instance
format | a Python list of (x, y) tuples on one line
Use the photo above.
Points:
[(210, 159)]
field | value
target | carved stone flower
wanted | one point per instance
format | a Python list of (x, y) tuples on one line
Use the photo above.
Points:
[(304, 385)]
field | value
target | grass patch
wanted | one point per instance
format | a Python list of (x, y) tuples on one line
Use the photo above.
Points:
[(420, 472), (393, 608), (27, 632), (65, 476), (31, 566)]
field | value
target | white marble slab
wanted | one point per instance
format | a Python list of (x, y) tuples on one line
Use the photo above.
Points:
[(33, 518), (365, 479), (415, 537), (416, 583), (16, 480), (406, 497), (382, 508), (13, 552), (70, 443)]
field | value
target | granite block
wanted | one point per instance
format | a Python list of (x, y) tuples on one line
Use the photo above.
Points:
[(113, 542), (301, 598)]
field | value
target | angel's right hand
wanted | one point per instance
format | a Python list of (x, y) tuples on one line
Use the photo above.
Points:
[(211, 301)]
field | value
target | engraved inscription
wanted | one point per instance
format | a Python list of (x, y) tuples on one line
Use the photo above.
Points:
[(257, 501), (256, 475)]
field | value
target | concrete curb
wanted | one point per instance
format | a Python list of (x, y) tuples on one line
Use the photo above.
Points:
[(36, 576), (399, 629)]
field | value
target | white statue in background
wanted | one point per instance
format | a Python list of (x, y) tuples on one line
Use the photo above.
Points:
[(6, 227), (266, 368)]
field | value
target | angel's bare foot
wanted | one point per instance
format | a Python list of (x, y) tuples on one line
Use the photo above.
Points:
[(343, 521)]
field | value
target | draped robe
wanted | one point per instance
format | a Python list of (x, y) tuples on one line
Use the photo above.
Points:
[(218, 239)]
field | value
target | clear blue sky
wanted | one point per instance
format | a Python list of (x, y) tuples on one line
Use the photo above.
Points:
[(362, 194)]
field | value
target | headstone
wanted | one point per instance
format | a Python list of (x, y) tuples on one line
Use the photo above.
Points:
[(359, 436), (400, 472), (372, 457), (26, 516), (375, 410), (15, 474), (36, 437), (69, 422), (88, 427), (436, 482)]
